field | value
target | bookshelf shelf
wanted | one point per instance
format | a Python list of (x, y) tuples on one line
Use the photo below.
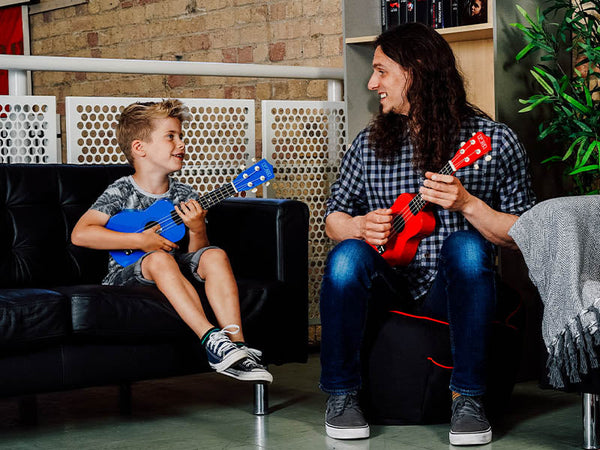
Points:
[(453, 34)]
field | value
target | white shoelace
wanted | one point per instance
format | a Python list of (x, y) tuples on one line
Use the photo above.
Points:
[(219, 340)]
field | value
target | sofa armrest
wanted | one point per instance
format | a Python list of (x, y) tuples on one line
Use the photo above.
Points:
[(267, 242), (265, 239)]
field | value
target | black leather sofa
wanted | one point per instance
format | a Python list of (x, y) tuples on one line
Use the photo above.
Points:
[(60, 329)]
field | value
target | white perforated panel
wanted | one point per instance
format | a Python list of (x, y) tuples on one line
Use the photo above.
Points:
[(219, 138), (28, 129), (304, 141)]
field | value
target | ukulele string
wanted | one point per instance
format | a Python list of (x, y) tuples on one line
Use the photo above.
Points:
[(212, 198), (406, 213)]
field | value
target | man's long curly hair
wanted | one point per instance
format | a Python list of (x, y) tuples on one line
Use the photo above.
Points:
[(436, 94)]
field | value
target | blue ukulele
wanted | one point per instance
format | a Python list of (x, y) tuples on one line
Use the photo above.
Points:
[(162, 212)]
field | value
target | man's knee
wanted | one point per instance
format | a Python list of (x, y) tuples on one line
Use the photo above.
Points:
[(348, 259), (467, 251)]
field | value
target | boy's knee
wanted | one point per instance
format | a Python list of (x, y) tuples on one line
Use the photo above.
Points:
[(159, 260), (212, 258)]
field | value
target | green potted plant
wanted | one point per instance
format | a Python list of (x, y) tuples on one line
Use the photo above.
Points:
[(571, 93)]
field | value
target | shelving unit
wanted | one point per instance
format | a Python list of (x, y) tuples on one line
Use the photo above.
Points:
[(485, 54)]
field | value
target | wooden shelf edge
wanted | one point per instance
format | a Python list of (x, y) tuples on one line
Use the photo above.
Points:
[(452, 34)]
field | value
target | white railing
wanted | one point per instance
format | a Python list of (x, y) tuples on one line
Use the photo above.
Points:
[(316, 134), (18, 65)]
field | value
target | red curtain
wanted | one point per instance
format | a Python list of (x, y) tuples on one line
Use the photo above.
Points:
[(11, 39)]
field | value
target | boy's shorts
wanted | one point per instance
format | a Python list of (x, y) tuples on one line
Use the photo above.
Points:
[(188, 264)]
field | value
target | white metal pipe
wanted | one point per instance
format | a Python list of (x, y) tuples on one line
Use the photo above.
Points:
[(334, 90), (73, 64), (17, 82)]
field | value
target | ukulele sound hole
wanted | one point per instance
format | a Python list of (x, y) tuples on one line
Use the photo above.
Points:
[(398, 224)]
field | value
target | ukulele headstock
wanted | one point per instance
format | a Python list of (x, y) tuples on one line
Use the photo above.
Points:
[(477, 146), (254, 176)]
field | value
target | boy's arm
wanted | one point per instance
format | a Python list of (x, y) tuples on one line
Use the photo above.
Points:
[(194, 218), (90, 231)]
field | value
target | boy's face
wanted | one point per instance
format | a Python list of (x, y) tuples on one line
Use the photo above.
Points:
[(165, 149)]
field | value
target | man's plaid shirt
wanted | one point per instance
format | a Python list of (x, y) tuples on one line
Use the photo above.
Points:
[(366, 183)]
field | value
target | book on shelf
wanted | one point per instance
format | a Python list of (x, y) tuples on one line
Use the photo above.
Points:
[(390, 14), (435, 13), (472, 11)]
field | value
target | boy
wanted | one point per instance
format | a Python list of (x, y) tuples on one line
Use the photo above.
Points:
[(149, 134)]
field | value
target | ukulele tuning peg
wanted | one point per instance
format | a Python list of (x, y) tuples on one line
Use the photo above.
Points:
[(474, 133), (254, 160), (268, 183), (476, 166), (255, 190), (242, 166), (488, 158)]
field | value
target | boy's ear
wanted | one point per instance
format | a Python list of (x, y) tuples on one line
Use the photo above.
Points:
[(137, 148)]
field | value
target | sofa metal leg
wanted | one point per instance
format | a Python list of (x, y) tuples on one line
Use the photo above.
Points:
[(591, 411), (261, 399), (125, 407), (28, 410)]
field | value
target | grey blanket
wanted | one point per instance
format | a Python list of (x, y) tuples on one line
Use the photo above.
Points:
[(560, 241)]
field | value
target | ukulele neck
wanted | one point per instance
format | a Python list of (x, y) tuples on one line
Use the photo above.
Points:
[(214, 197), (417, 203)]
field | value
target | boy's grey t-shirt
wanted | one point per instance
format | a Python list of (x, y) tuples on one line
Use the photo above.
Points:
[(124, 194)]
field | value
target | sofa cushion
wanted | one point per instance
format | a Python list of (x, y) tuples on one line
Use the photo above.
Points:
[(32, 316), (140, 314)]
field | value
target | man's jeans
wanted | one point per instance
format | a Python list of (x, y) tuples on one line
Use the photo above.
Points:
[(463, 293)]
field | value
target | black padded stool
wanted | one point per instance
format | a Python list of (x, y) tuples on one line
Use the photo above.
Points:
[(407, 365)]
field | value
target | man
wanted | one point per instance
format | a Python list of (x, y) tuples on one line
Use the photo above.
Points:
[(424, 115)]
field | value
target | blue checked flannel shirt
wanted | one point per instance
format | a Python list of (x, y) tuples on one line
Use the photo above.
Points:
[(366, 183)]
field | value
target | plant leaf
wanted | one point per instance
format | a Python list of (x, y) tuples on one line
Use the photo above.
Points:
[(584, 169), (588, 152), (541, 81)]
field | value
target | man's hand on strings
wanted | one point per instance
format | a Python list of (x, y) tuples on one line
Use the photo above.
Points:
[(375, 226), (446, 191)]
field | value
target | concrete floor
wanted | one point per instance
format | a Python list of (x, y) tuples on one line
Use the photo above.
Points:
[(211, 411)]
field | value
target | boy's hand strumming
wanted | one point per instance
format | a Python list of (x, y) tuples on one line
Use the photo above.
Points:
[(151, 241), (193, 215)]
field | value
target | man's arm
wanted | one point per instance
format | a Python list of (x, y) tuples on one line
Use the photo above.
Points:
[(449, 193), (373, 227), (90, 231)]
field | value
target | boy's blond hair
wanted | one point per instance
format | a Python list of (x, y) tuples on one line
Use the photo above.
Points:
[(135, 121)]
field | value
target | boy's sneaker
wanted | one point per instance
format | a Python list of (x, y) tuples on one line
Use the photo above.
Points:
[(222, 353), (344, 419), (469, 426), (250, 368)]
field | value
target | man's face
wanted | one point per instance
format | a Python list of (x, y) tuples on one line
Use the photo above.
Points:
[(391, 82)]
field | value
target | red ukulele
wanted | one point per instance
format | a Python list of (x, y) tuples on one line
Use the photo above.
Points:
[(411, 223)]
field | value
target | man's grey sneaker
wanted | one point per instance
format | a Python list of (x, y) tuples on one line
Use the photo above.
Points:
[(221, 352), (344, 419), (469, 426), (250, 368)]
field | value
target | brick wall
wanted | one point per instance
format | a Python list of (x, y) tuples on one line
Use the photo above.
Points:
[(306, 32)]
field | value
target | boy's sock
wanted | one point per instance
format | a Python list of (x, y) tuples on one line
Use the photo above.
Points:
[(208, 333)]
